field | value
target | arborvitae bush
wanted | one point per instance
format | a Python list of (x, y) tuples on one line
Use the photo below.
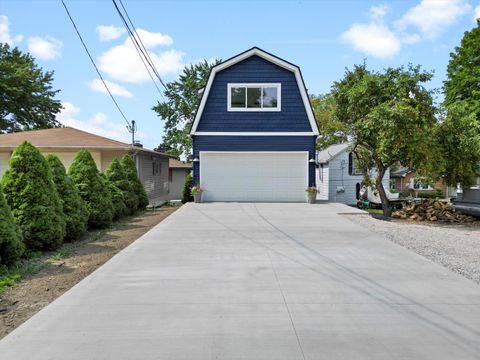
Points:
[(93, 189), (132, 176), (74, 207), (117, 176), (118, 199), (11, 245), (33, 198), (187, 189)]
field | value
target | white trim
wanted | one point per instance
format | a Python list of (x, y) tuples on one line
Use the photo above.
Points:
[(254, 152), (272, 59), (278, 86), (247, 133)]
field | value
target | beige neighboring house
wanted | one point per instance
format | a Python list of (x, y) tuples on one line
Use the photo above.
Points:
[(176, 177), (65, 142)]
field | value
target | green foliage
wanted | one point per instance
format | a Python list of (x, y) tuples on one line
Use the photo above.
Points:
[(463, 71), (389, 117), (27, 100), (459, 132), (11, 245), (33, 198), (118, 199), (332, 131), (430, 194), (459, 137), (74, 207), (93, 189), (131, 171), (117, 176), (178, 111), (187, 189)]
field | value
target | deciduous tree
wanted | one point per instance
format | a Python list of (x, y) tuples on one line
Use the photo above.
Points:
[(182, 98), (389, 117), (27, 99)]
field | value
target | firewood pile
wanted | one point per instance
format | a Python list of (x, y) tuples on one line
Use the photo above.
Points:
[(432, 210)]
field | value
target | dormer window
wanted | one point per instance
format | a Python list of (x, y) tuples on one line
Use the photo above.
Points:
[(254, 97)]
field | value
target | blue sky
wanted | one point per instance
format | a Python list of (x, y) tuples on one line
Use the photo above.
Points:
[(322, 37)]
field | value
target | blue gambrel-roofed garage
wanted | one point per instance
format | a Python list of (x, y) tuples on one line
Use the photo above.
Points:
[(254, 132)]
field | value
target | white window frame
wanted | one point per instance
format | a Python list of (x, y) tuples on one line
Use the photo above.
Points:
[(254, 85)]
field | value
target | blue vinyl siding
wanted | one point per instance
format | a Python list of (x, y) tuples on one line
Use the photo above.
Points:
[(254, 143), (292, 117)]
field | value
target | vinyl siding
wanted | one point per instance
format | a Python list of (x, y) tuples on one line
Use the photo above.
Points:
[(156, 186), (322, 182), (176, 185), (292, 117), (254, 143), (338, 176)]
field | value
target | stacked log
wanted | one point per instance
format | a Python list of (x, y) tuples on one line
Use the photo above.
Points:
[(432, 210)]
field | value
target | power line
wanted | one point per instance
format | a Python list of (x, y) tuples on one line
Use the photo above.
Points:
[(95, 65), (138, 43), (143, 46), (135, 44)]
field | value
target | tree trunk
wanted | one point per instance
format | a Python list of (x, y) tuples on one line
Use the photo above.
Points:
[(387, 209)]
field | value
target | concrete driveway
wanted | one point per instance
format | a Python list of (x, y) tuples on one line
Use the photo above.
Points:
[(259, 281)]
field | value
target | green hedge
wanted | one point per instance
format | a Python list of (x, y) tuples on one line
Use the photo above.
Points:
[(33, 199), (430, 194), (74, 207), (118, 199), (187, 189), (117, 176), (11, 245), (131, 171), (93, 189)]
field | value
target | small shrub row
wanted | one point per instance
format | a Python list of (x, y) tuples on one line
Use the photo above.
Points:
[(41, 206)]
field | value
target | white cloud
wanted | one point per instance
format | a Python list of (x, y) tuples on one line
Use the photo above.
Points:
[(123, 63), (46, 48), (374, 38), (150, 39), (98, 124), (5, 36), (377, 13), (110, 32), (115, 89), (432, 17), (476, 13)]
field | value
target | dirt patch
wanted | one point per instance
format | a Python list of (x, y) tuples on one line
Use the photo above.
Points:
[(29, 296)]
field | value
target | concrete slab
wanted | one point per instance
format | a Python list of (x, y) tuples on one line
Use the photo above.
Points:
[(259, 281)]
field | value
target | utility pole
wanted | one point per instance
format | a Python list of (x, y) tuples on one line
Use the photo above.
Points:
[(132, 129)]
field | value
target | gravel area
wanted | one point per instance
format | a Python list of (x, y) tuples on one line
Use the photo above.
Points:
[(457, 247)]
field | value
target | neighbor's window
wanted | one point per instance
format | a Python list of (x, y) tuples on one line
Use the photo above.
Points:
[(417, 184), (254, 97), (156, 167)]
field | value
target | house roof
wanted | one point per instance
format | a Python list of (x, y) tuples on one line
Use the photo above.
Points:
[(402, 172), (269, 57), (329, 153), (177, 164), (68, 138)]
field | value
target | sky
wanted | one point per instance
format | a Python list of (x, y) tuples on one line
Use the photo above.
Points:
[(322, 37)]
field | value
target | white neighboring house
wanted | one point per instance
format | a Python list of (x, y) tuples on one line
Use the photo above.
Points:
[(337, 178)]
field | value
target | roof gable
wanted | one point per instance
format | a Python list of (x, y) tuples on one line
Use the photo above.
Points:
[(270, 58), (330, 152)]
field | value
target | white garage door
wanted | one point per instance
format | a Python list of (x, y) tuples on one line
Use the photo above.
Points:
[(254, 176)]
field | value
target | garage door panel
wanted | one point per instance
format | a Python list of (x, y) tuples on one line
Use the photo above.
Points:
[(254, 176)]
